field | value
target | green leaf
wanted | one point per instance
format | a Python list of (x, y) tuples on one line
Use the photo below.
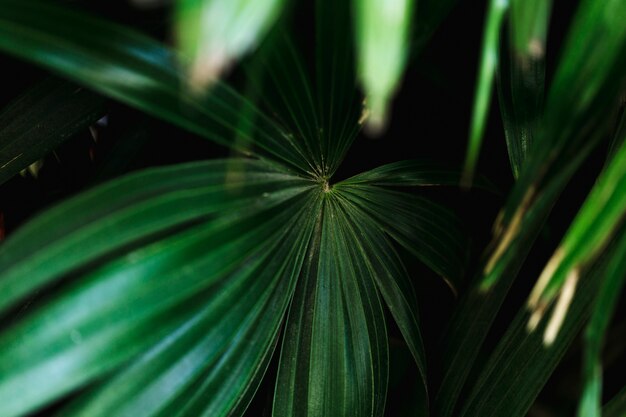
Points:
[(415, 173), (288, 91), (120, 306), (574, 121), (127, 212), (619, 137), (429, 231), (212, 34), (393, 282), (595, 224), (597, 221), (127, 66), (484, 83), (604, 308), (382, 40), (521, 76), (41, 119), (521, 364), (338, 101), (334, 358), (212, 364)]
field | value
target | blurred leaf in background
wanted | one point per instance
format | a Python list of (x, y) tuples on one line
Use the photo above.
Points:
[(213, 34), (382, 40)]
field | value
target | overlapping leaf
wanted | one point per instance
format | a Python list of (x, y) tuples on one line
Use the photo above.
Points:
[(138, 71), (505, 390), (484, 84), (575, 119), (335, 354), (213, 363), (129, 211), (594, 226), (159, 282), (413, 219), (172, 298)]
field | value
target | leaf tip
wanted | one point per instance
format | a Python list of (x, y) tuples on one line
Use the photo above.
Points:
[(375, 116)]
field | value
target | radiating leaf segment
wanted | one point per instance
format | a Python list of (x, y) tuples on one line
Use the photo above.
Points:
[(168, 287)]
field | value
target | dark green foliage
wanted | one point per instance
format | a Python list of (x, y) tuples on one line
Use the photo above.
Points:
[(169, 291)]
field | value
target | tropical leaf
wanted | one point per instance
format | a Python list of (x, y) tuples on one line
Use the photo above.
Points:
[(521, 75), (335, 349), (212, 34), (338, 102), (594, 226), (213, 363), (127, 211), (110, 314), (42, 118), (416, 173), (574, 121), (382, 40), (179, 277), (484, 82), (505, 390), (604, 308), (127, 66), (596, 223), (414, 218)]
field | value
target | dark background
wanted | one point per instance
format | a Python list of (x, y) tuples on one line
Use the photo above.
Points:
[(430, 120)]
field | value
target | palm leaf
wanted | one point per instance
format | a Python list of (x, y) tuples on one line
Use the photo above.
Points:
[(335, 350), (110, 314), (521, 364), (604, 307), (594, 226), (521, 76), (408, 219), (142, 307), (128, 211), (571, 127), (127, 66), (597, 221), (213, 363), (484, 84), (42, 118), (382, 40), (212, 34)]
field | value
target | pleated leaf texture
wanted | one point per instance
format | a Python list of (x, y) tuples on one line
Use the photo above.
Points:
[(166, 292)]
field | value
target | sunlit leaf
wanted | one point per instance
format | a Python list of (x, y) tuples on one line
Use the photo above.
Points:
[(484, 84), (521, 364), (382, 39), (595, 224), (127, 66), (576, 118), (212, 34), (141, 277)]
